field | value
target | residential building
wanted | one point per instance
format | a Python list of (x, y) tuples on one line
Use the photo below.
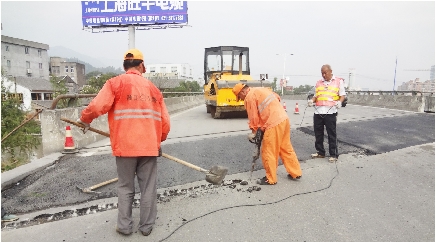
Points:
[(178, 71), (168, 76), (432, 73), (60, 67), (417, 85), (24, 58), (35, 93)]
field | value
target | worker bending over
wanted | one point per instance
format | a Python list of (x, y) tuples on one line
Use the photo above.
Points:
[(266, 113)]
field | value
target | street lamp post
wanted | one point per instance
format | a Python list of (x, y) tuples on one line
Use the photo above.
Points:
[(284, 65)]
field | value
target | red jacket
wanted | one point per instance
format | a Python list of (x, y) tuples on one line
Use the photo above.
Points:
[(137, 115)]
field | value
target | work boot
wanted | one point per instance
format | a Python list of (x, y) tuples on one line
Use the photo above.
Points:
[(9, 218), (147, 232), (316, 155), (121, 232), (332, 159), (264, 181), (290, 177)]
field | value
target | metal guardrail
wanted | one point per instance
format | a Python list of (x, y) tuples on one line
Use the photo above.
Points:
[(73, 97), (392, 93)]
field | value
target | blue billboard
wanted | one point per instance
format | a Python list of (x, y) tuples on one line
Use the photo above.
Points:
[(124, 13)]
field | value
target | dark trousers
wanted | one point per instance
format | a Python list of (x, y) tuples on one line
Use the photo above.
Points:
[(329, 121)]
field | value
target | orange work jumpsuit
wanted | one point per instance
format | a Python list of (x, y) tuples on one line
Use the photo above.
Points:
[(266, 112)]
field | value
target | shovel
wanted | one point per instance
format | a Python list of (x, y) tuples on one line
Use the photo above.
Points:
[(215, 175)]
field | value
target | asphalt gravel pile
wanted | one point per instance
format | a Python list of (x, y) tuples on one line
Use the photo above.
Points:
[(165, 196)]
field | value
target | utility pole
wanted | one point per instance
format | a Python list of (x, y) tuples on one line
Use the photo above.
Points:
[(284, 65), (395, 73)]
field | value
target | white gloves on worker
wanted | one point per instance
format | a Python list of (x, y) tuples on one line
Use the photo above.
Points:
[(86, 125), (251, 137), (338, 104), (310, 103)]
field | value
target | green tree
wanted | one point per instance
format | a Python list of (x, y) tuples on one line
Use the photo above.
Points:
[(18, 147), (91, 74), (302, 89), (59, 88), (95, 83), (188, 86), (274, 84)]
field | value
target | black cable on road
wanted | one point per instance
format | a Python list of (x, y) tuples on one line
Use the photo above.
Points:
[(254, 205)]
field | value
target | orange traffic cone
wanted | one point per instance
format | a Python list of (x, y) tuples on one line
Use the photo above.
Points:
[(69, 147), (297, 111), (284, 106)]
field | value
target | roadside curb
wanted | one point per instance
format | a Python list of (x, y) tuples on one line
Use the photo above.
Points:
[(15, 175)]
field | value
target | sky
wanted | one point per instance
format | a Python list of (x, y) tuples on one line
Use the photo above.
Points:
[(381, 41)]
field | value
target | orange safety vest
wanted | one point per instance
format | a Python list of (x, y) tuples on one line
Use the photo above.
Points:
[(327, 95), (137, 115), (263, 108)]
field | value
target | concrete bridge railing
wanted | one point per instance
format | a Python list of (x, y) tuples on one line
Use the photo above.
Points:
[(53, 128), (409, 101)]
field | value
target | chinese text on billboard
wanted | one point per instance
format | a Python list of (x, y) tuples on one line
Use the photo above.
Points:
[(116, 13)]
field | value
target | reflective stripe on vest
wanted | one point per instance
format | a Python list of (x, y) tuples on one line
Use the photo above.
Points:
[(265, 102), (327, 95), (145, 113)]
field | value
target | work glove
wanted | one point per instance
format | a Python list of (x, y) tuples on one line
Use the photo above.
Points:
[(251, 137), (86, 125), (310, 103), (257, 139), (160, 152), (338, 104)]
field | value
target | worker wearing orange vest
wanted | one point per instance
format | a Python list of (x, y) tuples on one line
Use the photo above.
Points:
[(266, 115), (138, 123), (328, 98)]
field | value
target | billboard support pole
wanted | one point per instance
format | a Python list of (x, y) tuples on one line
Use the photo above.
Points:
[(131, 37)]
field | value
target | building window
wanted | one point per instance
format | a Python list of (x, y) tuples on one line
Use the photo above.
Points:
[(7, 47), (163, 69), (28, 64), (40, 66), (26, 50), (83, 71), (8, 63), (72, 69), (39, 53), (152, 69), (48, 96), (173, 69), (36, 96), (66, 68)]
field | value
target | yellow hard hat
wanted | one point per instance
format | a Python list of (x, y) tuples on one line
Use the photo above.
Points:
[(133, 54)]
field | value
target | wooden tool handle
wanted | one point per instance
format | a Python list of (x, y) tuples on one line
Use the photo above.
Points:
[(102, 184), (163, 154), (184, 163), (82, 126)]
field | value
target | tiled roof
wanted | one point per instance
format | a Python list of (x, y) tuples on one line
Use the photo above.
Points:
[(34, 84)]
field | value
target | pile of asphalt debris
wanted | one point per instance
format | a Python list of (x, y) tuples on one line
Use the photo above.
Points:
[(164, 197)]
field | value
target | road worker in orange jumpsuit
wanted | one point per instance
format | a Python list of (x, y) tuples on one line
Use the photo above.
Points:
[(266, 113), (138, 122)]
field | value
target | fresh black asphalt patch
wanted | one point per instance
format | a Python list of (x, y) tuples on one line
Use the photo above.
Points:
[(57, 185)]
